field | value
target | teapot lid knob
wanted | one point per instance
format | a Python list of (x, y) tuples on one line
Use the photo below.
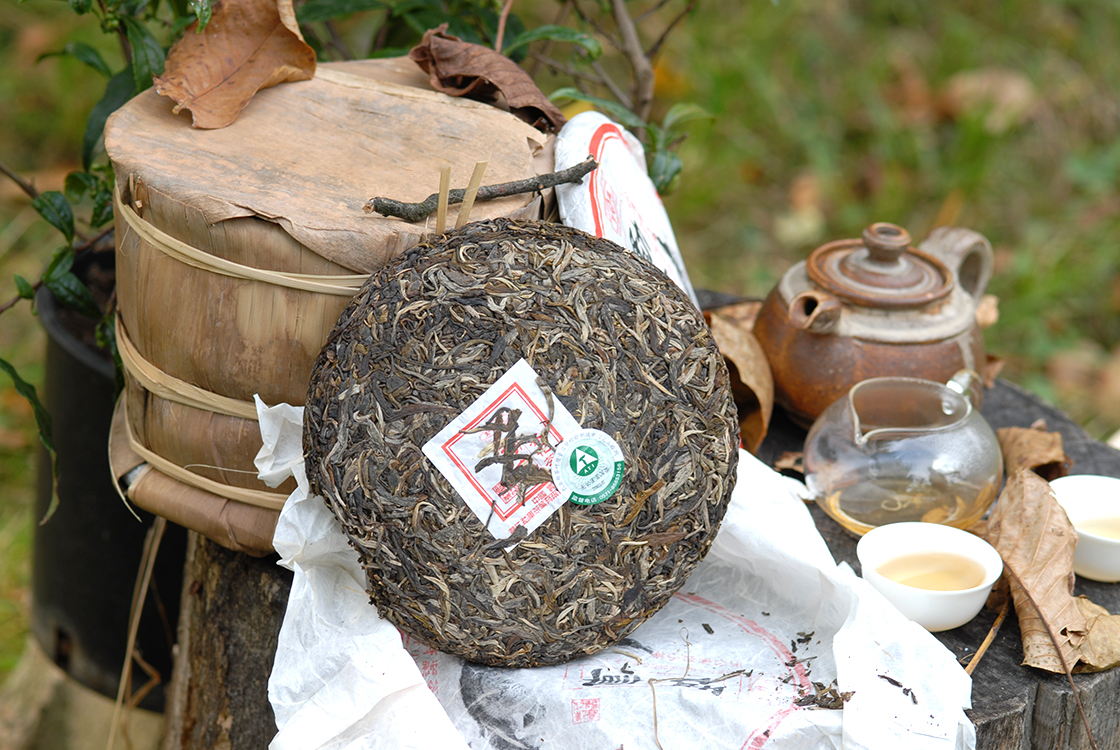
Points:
[(885, 242)]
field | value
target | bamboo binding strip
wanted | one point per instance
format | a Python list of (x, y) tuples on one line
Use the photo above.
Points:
[(345, 286)]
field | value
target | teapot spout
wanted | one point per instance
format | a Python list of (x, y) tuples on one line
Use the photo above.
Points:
[(814, 311)]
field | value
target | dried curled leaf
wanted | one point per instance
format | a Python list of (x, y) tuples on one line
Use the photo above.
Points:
[(1036, 541), (1036, 449), (751, 381), (248, 45), (460, 68)]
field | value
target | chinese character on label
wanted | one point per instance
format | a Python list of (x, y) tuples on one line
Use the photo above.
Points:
[(498, 453)]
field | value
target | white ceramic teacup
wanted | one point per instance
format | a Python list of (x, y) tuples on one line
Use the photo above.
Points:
[(1088, 500), (933, 610)]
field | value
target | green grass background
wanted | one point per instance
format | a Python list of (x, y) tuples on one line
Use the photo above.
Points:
[(827, 116)]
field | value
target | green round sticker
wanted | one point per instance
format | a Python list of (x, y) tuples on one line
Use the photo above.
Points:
[(588, 467)]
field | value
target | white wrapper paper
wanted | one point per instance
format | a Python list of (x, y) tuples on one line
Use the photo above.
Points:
[(764, 616)]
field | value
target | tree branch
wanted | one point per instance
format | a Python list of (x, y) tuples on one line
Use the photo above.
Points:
[(599, 29), (561, 18), (25, 186), (502, 18), (656, 47), (413, 212), (643, 71), (613, 87)]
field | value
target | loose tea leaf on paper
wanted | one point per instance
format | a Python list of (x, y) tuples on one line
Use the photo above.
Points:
[(1035, 449), (460, 68), (248, 45), (1036, 541), (751, 382)]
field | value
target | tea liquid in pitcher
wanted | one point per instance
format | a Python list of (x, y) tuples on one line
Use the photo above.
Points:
[(863, 506)]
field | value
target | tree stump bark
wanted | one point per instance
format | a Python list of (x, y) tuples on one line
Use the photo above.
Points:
[(232, 609)]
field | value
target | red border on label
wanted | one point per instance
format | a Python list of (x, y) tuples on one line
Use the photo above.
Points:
[(603, 135), (482, 417)]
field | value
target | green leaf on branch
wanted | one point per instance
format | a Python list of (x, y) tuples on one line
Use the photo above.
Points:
[(557, 34), (202, 10), (53, 206), (25, 389), (67, 288), (683, 112), (80, 184), (614, 109), (324, 10), (664, 168), (118, 91), (24, 287), (81, 7), (148, 56), (102, 208), (84, 53)]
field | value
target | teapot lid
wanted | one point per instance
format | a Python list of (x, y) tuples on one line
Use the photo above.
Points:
[(880, 270)]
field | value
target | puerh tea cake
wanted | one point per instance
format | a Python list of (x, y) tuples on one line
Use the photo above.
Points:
[(527, 434)]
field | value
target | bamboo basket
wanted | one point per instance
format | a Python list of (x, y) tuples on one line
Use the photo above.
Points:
[(237, 249)]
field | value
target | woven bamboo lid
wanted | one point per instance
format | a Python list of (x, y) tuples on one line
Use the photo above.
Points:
[(616, 343)]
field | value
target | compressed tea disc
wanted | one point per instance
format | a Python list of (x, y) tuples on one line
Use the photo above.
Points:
[(619, 347)]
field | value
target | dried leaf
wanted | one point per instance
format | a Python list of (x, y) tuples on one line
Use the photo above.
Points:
[(248, 45), (1101, 648), (1037, 449), (751, 381), (1036, 541), (987, 311), (460, 68)]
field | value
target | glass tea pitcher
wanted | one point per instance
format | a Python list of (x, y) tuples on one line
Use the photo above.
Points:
[(904, 449)]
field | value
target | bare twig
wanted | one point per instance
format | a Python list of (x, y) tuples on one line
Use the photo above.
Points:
[(568, 70), (418, 211), (651, 11), (614, 88), (24, 185), (502, 18), (990, 637), (337, 41), (642, 89), (656, 46), (561, 17), (595, 25)]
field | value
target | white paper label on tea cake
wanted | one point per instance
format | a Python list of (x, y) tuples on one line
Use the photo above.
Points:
[(496, 456), (588, 467), (617, 201)]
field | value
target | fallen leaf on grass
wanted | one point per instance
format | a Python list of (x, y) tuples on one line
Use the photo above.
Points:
[(1036, 541), (460, 68), (248, 45), (1036, 449)]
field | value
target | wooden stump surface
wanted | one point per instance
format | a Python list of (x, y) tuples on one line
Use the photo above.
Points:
[(1014, 707)]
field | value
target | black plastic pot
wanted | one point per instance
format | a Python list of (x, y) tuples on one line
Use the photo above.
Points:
[(86, 557)]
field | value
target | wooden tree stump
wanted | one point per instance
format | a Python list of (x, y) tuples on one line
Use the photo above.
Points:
[(232, 608)]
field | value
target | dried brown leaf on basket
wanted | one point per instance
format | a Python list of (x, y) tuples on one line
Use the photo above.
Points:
[(460, 68), (1036, 541), (1036, 449), (248, 45), (751, 382)]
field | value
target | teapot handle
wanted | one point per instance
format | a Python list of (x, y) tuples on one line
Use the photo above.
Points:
[(967, 253)]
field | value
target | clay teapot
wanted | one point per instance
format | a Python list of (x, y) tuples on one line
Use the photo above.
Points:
[(873, 307)]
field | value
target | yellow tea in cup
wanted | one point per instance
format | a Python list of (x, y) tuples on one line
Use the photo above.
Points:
[(934, 571), (1107, 526)]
